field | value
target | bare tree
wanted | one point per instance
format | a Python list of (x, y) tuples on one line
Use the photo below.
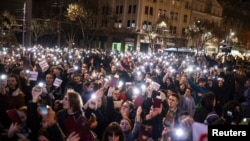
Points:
[(202, 32), (156, 30), (86, 15), (40, 27), (8, 28), (69, 33)]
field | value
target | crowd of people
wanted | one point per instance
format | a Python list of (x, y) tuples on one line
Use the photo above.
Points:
[(94, 95)]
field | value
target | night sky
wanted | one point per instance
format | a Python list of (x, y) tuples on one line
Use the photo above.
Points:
[(15, 7)]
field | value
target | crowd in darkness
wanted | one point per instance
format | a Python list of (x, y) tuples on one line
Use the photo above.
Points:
[(96, 95)]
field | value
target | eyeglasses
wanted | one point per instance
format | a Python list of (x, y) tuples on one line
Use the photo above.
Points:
[(113, 134)]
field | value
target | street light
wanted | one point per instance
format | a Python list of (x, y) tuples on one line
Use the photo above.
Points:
[(24, 26), (59, 5), (229, 37)]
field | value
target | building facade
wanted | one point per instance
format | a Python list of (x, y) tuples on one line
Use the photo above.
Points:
[(148, 24)]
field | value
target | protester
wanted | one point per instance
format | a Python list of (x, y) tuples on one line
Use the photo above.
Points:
[(174, 73)]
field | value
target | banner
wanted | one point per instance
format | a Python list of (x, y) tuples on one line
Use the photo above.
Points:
[(200, 132)]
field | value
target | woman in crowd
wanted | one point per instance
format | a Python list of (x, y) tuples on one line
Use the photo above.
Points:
[(131, 131), (113, 132), (72, 114), (206, 113)]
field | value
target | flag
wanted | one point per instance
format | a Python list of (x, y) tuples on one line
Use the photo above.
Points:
[(200, 132)]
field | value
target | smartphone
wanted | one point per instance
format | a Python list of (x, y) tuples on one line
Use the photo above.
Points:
[(229, 113), (13, 115), (245, 121), (38, 89), (43, 109)]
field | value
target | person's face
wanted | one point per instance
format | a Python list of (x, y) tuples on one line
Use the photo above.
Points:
[(113, 136), (116, 95), (188, 92), (202, 84), (155, 111), (22, 74), (182, 86), (125, 108), (12, 82), (77, 79), (220, 83), (84, 69), (113, 69), (172, 102), (90, 88), (65, 102), (125, 125), (49, 79), (57, 72), (86, 76)]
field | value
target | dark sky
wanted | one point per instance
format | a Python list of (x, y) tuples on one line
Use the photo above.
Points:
[(15, 7)]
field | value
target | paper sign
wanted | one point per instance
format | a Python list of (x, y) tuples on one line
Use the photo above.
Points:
[(33, 75), (57, 82), (114, 81), (44, 65)]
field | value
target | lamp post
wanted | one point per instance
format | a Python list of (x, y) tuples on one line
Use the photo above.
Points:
[(24, 26), (231, 34), (59, 5)]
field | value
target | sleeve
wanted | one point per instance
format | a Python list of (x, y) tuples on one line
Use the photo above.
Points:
[(55, 133)]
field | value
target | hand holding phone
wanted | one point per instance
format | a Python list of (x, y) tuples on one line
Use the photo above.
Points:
[(43, 109)]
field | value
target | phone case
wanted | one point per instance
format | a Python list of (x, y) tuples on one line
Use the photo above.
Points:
[(139, 100), (13, 115), (157, 103)]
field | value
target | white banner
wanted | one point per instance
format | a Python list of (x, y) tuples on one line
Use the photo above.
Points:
[(200, 132)]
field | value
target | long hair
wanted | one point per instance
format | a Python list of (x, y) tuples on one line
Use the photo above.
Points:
[(207, 101), (113, 128), (75, 100)]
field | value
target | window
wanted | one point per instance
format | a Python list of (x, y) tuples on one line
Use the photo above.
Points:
[(183, 31), (133, 23), (172, 15), (118, 24), (134, 9), (121, 9), (187, 5), (128, 23), (151, 11), (146, 10), (117, 10), (176, 17), (173, 29), (147, 25), (160, 13), (185, 18), (129, 9)]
